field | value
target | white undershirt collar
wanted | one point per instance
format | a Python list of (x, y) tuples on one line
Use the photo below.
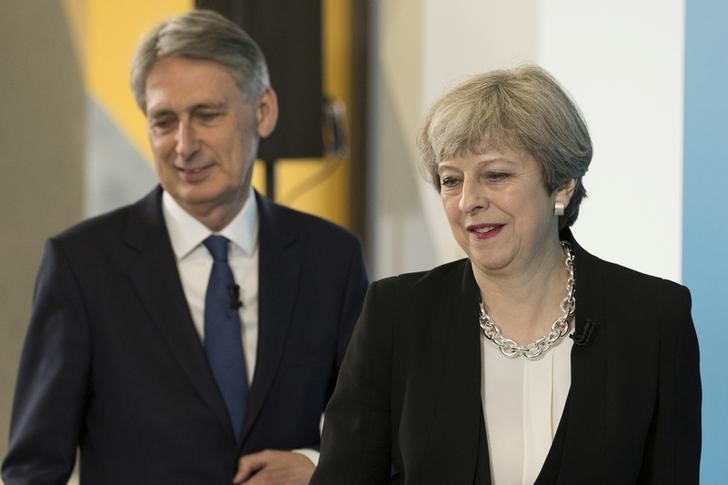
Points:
[(186, 233)]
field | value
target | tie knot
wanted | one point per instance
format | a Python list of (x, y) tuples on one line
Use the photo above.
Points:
[(218, 247)]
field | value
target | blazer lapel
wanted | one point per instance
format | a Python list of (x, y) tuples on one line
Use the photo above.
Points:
[(584, 442), (154, 276), (278, 277), (456, 451), (456, 411)]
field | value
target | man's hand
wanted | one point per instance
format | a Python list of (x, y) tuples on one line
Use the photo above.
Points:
[(272, 467)]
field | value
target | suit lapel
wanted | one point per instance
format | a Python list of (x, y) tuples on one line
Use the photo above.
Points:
[(584, 442), (456, 450), (278, 279), (155, 278)]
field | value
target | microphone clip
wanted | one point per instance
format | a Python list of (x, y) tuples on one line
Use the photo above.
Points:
[(234, 293), (586, 333)]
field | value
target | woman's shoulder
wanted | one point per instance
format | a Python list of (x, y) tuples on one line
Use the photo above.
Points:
[(622, 279), (425, 294), (449, 273), (648, 308), (610, 291), (617, 279)]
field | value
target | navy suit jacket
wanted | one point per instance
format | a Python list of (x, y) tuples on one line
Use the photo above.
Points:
[(112, 363), (408, 398)]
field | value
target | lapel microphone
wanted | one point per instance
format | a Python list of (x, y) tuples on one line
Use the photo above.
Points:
[(234, 293), (586, 333)]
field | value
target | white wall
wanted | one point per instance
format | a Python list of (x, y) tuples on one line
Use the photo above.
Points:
[(622, 62), (399, 238), (422, 48)]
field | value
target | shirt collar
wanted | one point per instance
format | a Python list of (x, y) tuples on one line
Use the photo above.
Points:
[(186, 233)]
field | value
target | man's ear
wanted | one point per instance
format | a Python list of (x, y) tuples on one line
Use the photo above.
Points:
[(565, 192), (266, 112)]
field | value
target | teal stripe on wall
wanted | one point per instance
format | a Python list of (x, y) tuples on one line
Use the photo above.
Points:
[(705, 216)]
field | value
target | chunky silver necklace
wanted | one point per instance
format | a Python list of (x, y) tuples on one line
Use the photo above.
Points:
[(559, 329)]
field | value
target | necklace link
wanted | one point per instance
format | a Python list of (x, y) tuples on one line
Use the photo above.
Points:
[(559, 329)]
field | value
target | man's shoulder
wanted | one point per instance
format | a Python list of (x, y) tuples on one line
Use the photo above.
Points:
[(109, 225)]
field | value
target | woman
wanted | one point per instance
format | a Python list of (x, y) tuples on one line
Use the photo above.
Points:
[(465, 374)]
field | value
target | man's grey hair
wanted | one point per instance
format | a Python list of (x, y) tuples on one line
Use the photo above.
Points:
[(205, 35)]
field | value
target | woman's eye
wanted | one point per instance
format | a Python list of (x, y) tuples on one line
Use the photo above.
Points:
[(448, 181), (498, 176)]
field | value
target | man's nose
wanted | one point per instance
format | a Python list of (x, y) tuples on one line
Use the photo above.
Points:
[(187, 141)]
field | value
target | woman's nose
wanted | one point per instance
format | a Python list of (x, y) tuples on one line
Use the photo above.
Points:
[(473, 197)]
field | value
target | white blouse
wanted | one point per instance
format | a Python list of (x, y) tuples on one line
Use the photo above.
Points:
[(522, 403)]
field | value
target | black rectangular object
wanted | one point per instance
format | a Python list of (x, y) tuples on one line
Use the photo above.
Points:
[(289, 33)]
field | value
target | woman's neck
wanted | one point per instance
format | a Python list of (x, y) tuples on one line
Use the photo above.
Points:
[(524, 302)]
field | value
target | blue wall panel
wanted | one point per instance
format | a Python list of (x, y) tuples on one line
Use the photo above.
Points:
[(705, 216)]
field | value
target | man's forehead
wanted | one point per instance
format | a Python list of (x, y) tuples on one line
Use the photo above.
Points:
[(183, 84)]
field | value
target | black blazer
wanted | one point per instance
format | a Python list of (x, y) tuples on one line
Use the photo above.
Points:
[(112, 362), (407, 406)]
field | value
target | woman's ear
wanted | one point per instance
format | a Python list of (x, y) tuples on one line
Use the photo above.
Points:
[(565, 192), (266, 112)]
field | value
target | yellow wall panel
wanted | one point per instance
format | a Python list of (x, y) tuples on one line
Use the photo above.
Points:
[(109, 31), (326, 185)]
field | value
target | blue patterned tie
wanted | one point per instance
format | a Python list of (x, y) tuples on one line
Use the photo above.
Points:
[(223, 341)]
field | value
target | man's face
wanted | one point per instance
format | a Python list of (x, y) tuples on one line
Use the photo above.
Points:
[(204, 134)]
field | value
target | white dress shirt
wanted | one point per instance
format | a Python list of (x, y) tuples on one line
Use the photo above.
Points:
[(523, 401), (194, 264)]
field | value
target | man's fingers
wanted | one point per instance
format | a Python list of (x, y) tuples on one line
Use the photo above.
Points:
[(248, 465), (274, 467)]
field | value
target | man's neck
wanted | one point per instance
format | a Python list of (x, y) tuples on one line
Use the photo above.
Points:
[(217, 216)]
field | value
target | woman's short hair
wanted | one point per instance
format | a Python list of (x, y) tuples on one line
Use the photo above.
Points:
[(522, 108), (206, 35)]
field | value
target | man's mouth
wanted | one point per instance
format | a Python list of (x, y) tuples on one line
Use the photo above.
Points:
[(195, 174), (193, 170)]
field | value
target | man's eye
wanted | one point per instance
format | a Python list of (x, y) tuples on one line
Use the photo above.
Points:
[(208, 116), (162, 124)]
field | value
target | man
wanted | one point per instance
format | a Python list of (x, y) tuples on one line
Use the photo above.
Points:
[(194, 336)]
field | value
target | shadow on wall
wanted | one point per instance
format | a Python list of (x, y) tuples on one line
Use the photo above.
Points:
[(399, 233)]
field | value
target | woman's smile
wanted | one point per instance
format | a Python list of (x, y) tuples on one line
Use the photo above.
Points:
[(484, 231)]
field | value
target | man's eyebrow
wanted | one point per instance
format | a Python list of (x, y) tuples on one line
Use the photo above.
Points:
[(218, 105), (158, 113), (214, 105), (209, 106)]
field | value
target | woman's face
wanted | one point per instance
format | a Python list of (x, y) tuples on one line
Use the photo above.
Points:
[(499, 210)]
